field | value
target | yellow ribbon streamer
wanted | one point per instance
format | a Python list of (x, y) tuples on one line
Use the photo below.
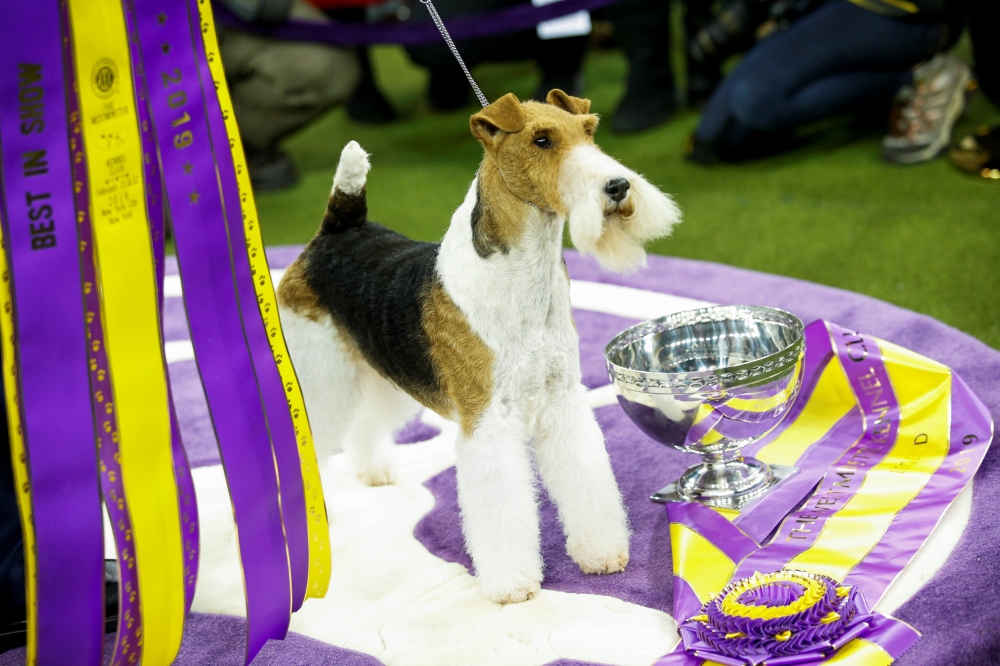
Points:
[(860, 652), (700, 562), (19, 454), (131, 316), (317, 524)]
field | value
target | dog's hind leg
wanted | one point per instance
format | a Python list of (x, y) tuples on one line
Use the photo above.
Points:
[(383, 409), (576, 471), (496, 493), (328, 375)]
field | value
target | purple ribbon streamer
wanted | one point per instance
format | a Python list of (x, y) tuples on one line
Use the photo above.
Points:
[(272, 390), (51, 338), (467, 26), (819, 351), (759, 518), (187, 501), (178, 103), (971, 428), (728, 538)]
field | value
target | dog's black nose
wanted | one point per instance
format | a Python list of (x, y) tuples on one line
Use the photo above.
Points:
[(616, 188)]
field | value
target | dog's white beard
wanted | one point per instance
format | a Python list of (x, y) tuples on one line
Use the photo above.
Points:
[(615, 241)]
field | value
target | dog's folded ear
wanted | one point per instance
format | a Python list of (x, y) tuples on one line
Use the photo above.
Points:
[(574, 105), (503, 115)]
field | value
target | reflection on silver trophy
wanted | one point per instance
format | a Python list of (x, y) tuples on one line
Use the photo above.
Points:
[(711, 381)]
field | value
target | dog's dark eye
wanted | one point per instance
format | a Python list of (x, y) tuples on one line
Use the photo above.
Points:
[(543, 142)]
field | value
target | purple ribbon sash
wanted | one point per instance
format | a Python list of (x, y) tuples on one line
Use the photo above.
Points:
[(467, 26), (844, 476), (272, 390), (44, 256), (189, 151), (188, 504)]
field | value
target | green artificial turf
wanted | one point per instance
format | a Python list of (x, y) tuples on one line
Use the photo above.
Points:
[(923, 237)]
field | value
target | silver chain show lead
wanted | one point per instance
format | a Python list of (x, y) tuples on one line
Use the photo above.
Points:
[(447, 38)]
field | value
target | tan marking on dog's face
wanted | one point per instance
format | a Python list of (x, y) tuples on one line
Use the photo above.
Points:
[(528, 141), (295, 294), (463, 361)]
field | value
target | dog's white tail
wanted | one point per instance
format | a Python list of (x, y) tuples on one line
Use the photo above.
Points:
[(352, 170), (347, 207)]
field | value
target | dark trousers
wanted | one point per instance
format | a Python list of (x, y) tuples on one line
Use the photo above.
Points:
[(984, 28), (559, 60), (836, 59), (278, 86), (11, 547)]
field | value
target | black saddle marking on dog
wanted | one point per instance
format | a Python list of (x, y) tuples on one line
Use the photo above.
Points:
[(374, 282), (344, 211), (485, 237)]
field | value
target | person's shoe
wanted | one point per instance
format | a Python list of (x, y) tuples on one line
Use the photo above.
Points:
[(700, 151), (924, 112), (643, 109), (979, 153), (271, 169), (15, 634)]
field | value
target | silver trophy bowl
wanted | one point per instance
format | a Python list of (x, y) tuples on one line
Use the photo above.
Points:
[(711, 381)]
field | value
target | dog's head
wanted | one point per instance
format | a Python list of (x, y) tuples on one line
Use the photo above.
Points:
[(547, 156)]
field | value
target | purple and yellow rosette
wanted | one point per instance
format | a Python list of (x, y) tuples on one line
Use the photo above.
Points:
[(782, 617)]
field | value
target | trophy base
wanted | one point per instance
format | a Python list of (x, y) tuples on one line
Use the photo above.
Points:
[(754, 480)]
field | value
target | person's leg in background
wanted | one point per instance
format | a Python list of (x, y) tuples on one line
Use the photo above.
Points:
[(979, 153), (277, 88), (12, 601), (642, 32), (834, 60), (559, 60), (711, 39)]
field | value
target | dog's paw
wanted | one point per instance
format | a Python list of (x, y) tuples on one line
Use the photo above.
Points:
[(382, 476), (592, 562), (513, 592)]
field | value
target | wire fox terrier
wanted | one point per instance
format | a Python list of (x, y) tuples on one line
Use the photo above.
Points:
[(479, 329)]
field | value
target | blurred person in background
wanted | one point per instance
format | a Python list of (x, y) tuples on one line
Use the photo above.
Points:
[(712, 39), (12, 582), (979, 153), (278, 87), (559, 60), (642, 31), (841, 57)]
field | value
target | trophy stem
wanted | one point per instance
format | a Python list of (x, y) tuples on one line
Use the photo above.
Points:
[(725, 479), (725, 476)]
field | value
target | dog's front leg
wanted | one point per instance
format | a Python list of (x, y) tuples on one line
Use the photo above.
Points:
[(496, 493), (576, 471)]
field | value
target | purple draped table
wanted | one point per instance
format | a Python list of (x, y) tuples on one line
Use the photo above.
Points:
[(954, 611)]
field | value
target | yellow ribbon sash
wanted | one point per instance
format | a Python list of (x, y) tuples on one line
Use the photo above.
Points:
[(131, 316)]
